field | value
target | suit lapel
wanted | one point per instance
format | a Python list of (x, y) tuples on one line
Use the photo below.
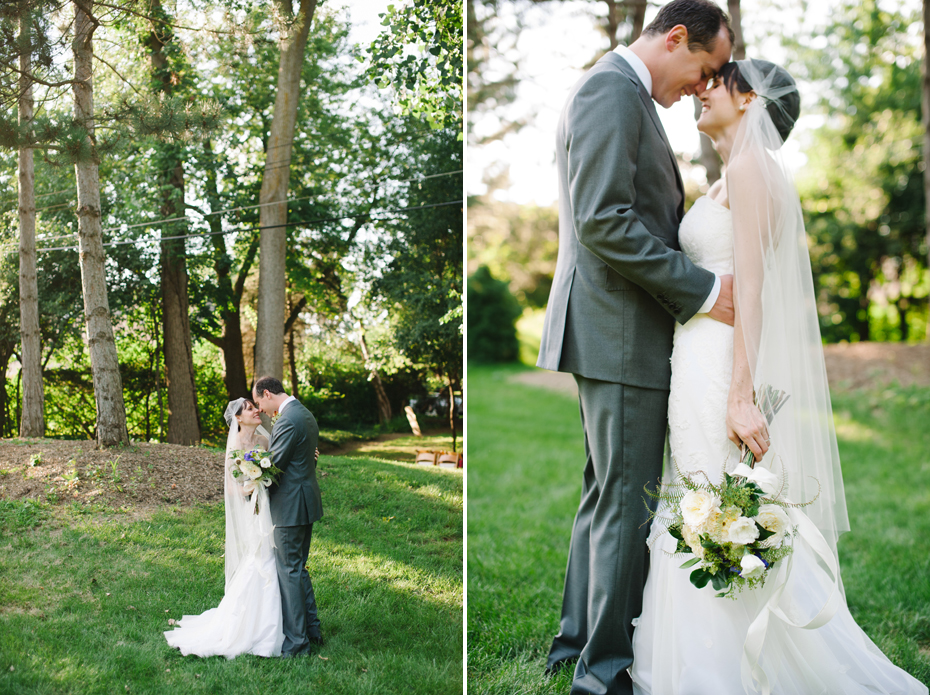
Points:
[(650, 106)]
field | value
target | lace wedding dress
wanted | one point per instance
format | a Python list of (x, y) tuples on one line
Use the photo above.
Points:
[(687, 641), (248, 619)]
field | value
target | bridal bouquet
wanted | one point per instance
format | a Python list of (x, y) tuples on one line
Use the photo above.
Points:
[(736, 530), (255, 467)]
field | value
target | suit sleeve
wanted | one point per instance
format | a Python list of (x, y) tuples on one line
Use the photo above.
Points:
[(283, 442), (602, 163)]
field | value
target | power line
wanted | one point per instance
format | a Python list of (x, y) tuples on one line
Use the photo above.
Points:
[(407, 137), (44, 195), (249, 207), (236, 209), (254, 229)]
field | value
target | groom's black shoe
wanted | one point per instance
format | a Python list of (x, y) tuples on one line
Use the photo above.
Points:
[(303, 652), (317, 640)]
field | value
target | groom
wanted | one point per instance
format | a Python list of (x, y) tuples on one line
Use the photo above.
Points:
[(620, 284), (295, 505)]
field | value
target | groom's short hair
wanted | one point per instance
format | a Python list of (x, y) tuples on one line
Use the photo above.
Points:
[(270, 384), (702, 18)]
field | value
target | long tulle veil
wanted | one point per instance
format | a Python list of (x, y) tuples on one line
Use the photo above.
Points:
[(774, 295), (244, 529), (775, 302)]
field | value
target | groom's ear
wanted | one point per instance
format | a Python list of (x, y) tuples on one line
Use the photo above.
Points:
[(677, 35)]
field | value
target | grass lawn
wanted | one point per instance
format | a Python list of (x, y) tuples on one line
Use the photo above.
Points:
[(524, 483), (87, 591), (394, 441)]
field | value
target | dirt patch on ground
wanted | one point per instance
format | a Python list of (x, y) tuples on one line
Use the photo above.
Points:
[(139, 476), (849, 366), (143, 477), (872, 365)]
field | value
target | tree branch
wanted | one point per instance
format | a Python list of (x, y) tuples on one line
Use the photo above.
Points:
[(295, 312), (246, 267)]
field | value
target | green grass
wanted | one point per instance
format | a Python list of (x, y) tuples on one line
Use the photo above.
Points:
[(524, 483), (394, 443), (84, 593)]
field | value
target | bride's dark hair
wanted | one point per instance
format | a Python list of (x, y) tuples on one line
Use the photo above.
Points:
[(785, 110), (241, 407)]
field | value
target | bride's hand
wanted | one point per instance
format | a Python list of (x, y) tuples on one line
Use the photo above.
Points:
[(746, 424)]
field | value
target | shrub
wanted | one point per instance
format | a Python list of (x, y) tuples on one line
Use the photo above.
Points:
[(492, 313)]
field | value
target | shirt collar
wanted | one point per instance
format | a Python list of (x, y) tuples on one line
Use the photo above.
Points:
[(639, 67), (284, 404)]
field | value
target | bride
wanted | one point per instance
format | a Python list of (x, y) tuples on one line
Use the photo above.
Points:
[(248, 619), (795, 635)]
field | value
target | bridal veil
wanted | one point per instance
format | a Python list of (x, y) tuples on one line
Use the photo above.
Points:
[(774, 296), (244, 531)]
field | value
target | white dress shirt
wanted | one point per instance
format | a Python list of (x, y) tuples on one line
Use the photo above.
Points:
[(642, 72)]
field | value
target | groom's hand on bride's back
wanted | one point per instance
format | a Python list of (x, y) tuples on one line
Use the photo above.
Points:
[(723, 308)]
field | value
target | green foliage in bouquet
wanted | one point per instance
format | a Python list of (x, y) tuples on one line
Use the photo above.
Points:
[(736, 533), (736, 530), (256, 467)]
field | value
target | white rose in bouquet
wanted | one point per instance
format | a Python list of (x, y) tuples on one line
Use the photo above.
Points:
[(693, 540), (751, 567), (696, 506), (251, 470), (724, 521), (743, 531), (265, 461), (773, 518)]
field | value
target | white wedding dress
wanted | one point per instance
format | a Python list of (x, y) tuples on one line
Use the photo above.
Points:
[(248, 619), (687, 641)]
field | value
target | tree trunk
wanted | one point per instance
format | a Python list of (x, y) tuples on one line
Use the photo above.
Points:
[(612, 22), (33, 421), (862, 323), (269, 333), (384, 405), (183, 420), (293, 315), (292, 362), (237, 383), (236, 380), (5, 356), (639, 19), (452, 412), (739, 45), (709, 158), (926, 118), (101, 345), (902, 319)]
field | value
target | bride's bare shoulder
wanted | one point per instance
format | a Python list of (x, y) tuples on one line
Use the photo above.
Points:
[(262, 441)]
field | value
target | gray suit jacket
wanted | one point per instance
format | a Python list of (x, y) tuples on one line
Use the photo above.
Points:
[(621, 280), (295, 498)]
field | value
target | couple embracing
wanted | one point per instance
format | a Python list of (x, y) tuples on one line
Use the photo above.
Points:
[(269, 608), (672, 325)]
